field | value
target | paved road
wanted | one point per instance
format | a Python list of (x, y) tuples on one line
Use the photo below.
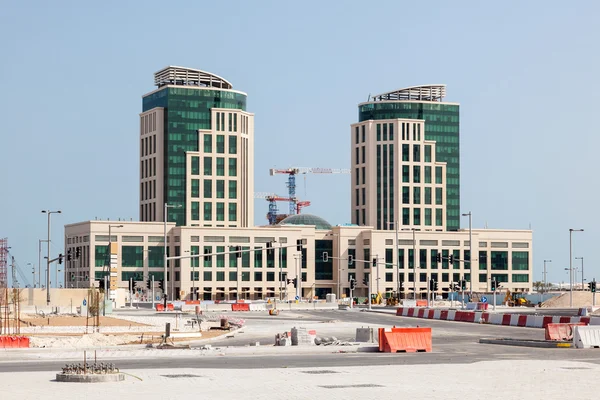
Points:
[(453, 343)]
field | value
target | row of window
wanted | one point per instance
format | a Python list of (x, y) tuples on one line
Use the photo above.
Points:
[(445, 278), (219, 144), (148, 124), (215, 188), (416, 195), (148, 190), (230, 124), (148, 211), (148, 167), (148, 145), (218, 166), (219, 211)]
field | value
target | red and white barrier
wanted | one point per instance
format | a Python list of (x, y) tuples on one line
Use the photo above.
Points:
[(508, 319)]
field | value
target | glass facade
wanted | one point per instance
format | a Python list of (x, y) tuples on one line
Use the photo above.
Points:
[(441, 125), (186, 111)]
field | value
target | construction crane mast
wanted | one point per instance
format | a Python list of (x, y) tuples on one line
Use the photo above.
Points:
[(291, 183), (3, 263)]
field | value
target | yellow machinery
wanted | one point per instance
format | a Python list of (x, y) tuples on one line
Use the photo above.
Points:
[(515, 299)]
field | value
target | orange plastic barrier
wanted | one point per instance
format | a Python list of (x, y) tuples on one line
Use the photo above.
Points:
[(160, 307), (561, 331), (14, 342), (421, 303), (240, 307), (188, 302), (404, 340), (170, 307)]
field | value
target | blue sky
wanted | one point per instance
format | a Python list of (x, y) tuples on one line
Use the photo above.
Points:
[(525, 73)]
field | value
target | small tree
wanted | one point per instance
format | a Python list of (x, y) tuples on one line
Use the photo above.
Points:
[(538, 286)]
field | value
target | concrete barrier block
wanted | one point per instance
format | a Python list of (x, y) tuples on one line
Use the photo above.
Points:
[(586, 337), (496, 319), (364, 335), (514, 320), (437, 314)]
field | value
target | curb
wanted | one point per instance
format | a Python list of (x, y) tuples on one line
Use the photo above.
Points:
[(547, 344)]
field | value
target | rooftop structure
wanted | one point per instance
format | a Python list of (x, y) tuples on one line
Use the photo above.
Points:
[(182, 76), (420, 93)]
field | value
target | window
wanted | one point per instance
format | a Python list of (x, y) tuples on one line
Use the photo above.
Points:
[(232, 212), (417, 216), (520, 261), (258, 257), (356, 135), (207, 211), (220, 211), (482, 278), (378, 132), (220, 166), (207, 143), (233, 167), (416, 195), (195, 188), (207, 165), (416, 174), (427, 173), (405, 195), (520, 278), (428, 217), (220, 189), (258, 276), (195, 166), (132, 256), (405, 173), (438, 175), (427, 195), (389, 277), (427, 153), (207, 188), (416, 153), (233, 144), (483, 260), (233, 189), (438, 196), (499, 260), (220, 144), (439, 217), (405, 150), (406, 216)]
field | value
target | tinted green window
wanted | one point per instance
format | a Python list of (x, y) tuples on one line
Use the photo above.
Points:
[(416, 152), (367, 258), (233, 167), (232, 144), (220, 211), (101, 256), (195, 188), (232, 212), (391, 131), (520, 261), (207, 165), (132, 256), (438, 216), (378, 132), (258, 276), (220, 276), (207, 143), (207, 189), (194, 262), (405, 152), (389, 258), (411, 259), (220, 166), (220, 257), (220, 189), (195, 211), (482, 278), (499, 260), (245, 257), (428, 216), (417, 216), (207, 276), (500, 277), (438, 175), (207, 211), (323, 269), (258, 257), (416, 174), (483, 260), (405, 195), (427, 173), (438, 196), (401, 258), (405, 173), (520, 278), (195, 165), (233, 189), (423, 259), (233, 276), (428, 195), (427, 153), (221, 144), (416, 195), (405, 216), (155, 256)]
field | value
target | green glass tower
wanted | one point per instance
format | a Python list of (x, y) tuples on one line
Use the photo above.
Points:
[(441, 125), (180, 116)]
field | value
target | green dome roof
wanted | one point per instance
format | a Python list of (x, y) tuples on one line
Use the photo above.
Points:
[(306, 219)]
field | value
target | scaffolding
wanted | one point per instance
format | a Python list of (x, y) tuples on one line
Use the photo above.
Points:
[(3, 263)]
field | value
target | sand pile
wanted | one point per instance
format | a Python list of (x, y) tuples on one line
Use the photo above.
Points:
[(580, 299), (88, 340)]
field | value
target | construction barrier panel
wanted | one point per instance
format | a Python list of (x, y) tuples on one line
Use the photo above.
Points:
[(240, 307), (482, 306), (506, 319), (444, 314), (430, 314), (170, 307), (14, 342), (485, 317), (437, 314), (399, 311), (522, 320), (586, 337), (565, 320), (561, 331), (411, 312), (421, 313), (396, 340), (421, 303), (547, 320)]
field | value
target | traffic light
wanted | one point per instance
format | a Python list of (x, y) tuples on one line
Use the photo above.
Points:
[(101, 284), (592, 286), (60, 258), (435, 286), (438, 258), (161, 284), (300, 243), (493, 285), (69, 257), (325, 256), (431, 285), (295, 282), (206, 257), (149, 283), (463, 284), (78, 252), (290, 281), (374, 262), (352, 284), (451, 259), (366, 280), (130, 284)]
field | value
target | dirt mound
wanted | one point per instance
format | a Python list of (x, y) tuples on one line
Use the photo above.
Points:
[(580, 299)]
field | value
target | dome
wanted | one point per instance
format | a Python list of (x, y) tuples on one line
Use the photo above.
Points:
[(306, 219)]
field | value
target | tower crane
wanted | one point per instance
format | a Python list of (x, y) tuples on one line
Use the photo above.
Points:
[(272, 198), (291, 183)]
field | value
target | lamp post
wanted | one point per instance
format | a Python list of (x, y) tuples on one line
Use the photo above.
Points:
[(167, 206), (582, 283), (571, 230), (414, 263), (545, 281), (193, 275), (33, 273), (40, 261), (470, 255), (49, 213), (397, 258)]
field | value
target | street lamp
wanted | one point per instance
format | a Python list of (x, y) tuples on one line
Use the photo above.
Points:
[(193, 274), (545, 281), (49, 213), (396, 259), (33, 273), (470, 256), (582, 284), (571, 264), (167, 206)]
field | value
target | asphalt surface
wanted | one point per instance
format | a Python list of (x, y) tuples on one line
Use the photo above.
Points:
[(453, 343)]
